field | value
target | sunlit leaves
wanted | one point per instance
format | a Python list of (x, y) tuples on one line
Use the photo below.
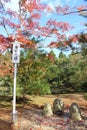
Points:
[(32, 5), (62, 10), (25, 22), (6, 67), (4, 43), (61, 25), (36, 16)]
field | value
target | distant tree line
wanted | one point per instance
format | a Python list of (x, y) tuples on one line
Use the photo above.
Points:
[(40, 73)]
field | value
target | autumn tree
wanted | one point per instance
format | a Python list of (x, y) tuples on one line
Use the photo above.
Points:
[(6, 66), (6, 72), (24, 24), (21, 24)]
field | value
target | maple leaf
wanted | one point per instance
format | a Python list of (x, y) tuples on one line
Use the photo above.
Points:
[(53, 45), (49, 9), (36, 16), (82, 7), (73, 38)]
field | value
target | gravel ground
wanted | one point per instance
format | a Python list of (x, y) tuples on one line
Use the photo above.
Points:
[(33, 119)]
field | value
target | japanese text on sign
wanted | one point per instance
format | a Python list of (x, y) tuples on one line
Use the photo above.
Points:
[(16, 53)]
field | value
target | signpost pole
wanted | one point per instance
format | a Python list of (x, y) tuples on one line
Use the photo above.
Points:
[(14, 113), (15, 61)]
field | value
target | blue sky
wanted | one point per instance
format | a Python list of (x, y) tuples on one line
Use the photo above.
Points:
[(72, 19)]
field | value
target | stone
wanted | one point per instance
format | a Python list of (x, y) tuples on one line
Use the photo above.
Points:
[(58, 107), (74, 112), (47, 110)]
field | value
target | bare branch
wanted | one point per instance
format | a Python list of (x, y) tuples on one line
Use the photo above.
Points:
[(73, 12)]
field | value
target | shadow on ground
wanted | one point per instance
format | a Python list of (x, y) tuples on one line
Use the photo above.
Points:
[(4, 125)]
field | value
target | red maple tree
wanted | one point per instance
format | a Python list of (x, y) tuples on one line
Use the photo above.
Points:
[(20, 25), (25, 22)]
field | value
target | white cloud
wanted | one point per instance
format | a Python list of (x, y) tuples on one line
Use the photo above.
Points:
[(52, 2), (51, 5), (13, 5), (68, 1), (58, 2), (68, 34)]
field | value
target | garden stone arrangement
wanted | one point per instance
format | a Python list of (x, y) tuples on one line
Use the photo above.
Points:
[(75, 112), (58, 109), (47, 111)]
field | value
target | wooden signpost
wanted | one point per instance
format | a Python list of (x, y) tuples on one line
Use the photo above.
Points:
[(15, 61)]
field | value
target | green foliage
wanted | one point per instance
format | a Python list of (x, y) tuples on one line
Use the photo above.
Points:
[(32, 73), (61, 77), (6, 84), (40, 74)]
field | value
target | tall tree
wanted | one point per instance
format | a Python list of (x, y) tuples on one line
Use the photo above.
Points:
[(25, 22), (21, 24), (32, 73)]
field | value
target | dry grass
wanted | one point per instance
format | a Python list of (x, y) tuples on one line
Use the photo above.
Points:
[(67, 98)]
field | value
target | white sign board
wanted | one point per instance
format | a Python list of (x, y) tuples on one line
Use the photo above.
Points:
[(16, 53)]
